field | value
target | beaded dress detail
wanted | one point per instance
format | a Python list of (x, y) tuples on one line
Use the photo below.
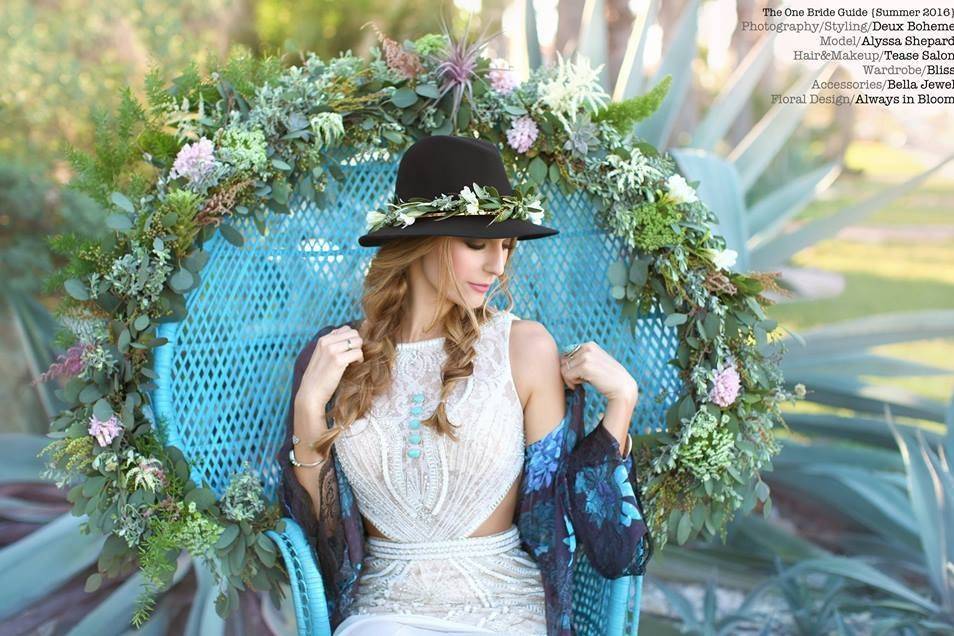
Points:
[(428, 493)]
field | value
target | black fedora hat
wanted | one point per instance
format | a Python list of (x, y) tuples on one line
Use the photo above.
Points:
[(455, 186)]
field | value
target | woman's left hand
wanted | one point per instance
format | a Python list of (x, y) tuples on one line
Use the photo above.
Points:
[(591, 364)]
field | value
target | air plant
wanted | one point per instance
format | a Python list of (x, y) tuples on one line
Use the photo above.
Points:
[(456, 66)]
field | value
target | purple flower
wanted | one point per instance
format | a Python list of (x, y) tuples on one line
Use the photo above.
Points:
[(195, 161), (104, 431), (522, 134), (69, 364), (726, 386), (502, 78)]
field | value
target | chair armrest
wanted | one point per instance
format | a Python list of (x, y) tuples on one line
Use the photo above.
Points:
[(308, 590), (624, 588)]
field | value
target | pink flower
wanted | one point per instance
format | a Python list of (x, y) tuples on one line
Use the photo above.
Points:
[(502, 78), (195, 161), (67, 365), (726, 386), (104, 432), (522, 134)]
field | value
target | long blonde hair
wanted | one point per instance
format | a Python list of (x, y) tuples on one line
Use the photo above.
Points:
[(385, 302)]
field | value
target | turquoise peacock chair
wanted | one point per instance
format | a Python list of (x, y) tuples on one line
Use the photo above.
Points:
[(224, 377)]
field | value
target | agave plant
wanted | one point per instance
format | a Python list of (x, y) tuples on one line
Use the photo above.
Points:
[(756, 231)]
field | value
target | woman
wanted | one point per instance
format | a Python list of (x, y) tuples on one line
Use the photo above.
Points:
[(449, 428)]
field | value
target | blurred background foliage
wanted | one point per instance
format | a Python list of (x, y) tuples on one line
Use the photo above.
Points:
[(854, 205)]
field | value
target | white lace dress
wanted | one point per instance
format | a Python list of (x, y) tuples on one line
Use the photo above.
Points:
[(428, 494)]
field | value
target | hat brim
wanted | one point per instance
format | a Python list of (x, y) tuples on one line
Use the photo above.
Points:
[(468, 226)]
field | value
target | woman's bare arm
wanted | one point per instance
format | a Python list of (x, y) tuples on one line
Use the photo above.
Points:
[(307, 421), (537, 352)]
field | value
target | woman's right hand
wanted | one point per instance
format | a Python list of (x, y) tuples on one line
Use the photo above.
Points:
[(328, 362)]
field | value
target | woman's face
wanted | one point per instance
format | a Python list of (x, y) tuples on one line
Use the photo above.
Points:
[(477, 264)]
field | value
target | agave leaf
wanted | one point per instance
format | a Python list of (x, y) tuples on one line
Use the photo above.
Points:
[(944, 487), (534, 53), (25, 511), (42, 561), (118, 608), (949, 435), (592, 38), (849, 336), (18, 457), (795, 455), (863, 573), (681, 605), (769, 215), (736, 566), (781, 248), (769, 135), (852, 393), (677, 62), (629, 82), (203, 618), (36, 328), (844, 503), (927, 500), (719, 189), (858, 430), (773, 540), (861, 363), (736, 94), (884, 491)]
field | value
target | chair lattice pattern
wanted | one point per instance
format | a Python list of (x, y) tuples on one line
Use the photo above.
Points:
[(224, 377)]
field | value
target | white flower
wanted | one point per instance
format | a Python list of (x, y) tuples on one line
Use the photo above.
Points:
[(405, 219), (680, 191), (723, 259), (536, 217), (374, 217), (328, 128), (573, 85), (473, 207)]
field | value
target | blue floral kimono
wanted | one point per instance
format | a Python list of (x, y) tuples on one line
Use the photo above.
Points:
[(577, 492)]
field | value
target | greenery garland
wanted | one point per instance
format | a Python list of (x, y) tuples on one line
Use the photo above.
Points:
[(481, 200), (238, 143)]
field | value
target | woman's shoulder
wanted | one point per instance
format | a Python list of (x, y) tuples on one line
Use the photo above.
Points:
[(533, 354)]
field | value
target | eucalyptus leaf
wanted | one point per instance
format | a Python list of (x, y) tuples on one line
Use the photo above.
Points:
[(122, 202), (75, 288), (102, 410), (231, 235), (203, 498), (617, 273), (181, 281), (538, 170), (118, 222), (404, 97), (90, 394), (427, 90), (675, 319)]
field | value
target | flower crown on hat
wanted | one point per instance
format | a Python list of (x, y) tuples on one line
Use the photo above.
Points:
[(481, 200)]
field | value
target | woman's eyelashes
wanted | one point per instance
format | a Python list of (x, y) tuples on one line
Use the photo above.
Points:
[(480, 246)]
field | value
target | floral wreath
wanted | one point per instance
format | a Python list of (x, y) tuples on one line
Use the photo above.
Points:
[(480, 200), (246, 137)]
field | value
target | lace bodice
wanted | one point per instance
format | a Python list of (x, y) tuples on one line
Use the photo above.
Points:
[(414, 484)]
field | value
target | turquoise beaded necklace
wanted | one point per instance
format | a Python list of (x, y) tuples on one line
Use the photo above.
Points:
[(414, 437)]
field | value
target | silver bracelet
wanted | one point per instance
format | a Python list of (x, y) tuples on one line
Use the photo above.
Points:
[(295, 462)]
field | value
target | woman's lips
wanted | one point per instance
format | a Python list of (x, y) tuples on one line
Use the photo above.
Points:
[(480, 288)]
